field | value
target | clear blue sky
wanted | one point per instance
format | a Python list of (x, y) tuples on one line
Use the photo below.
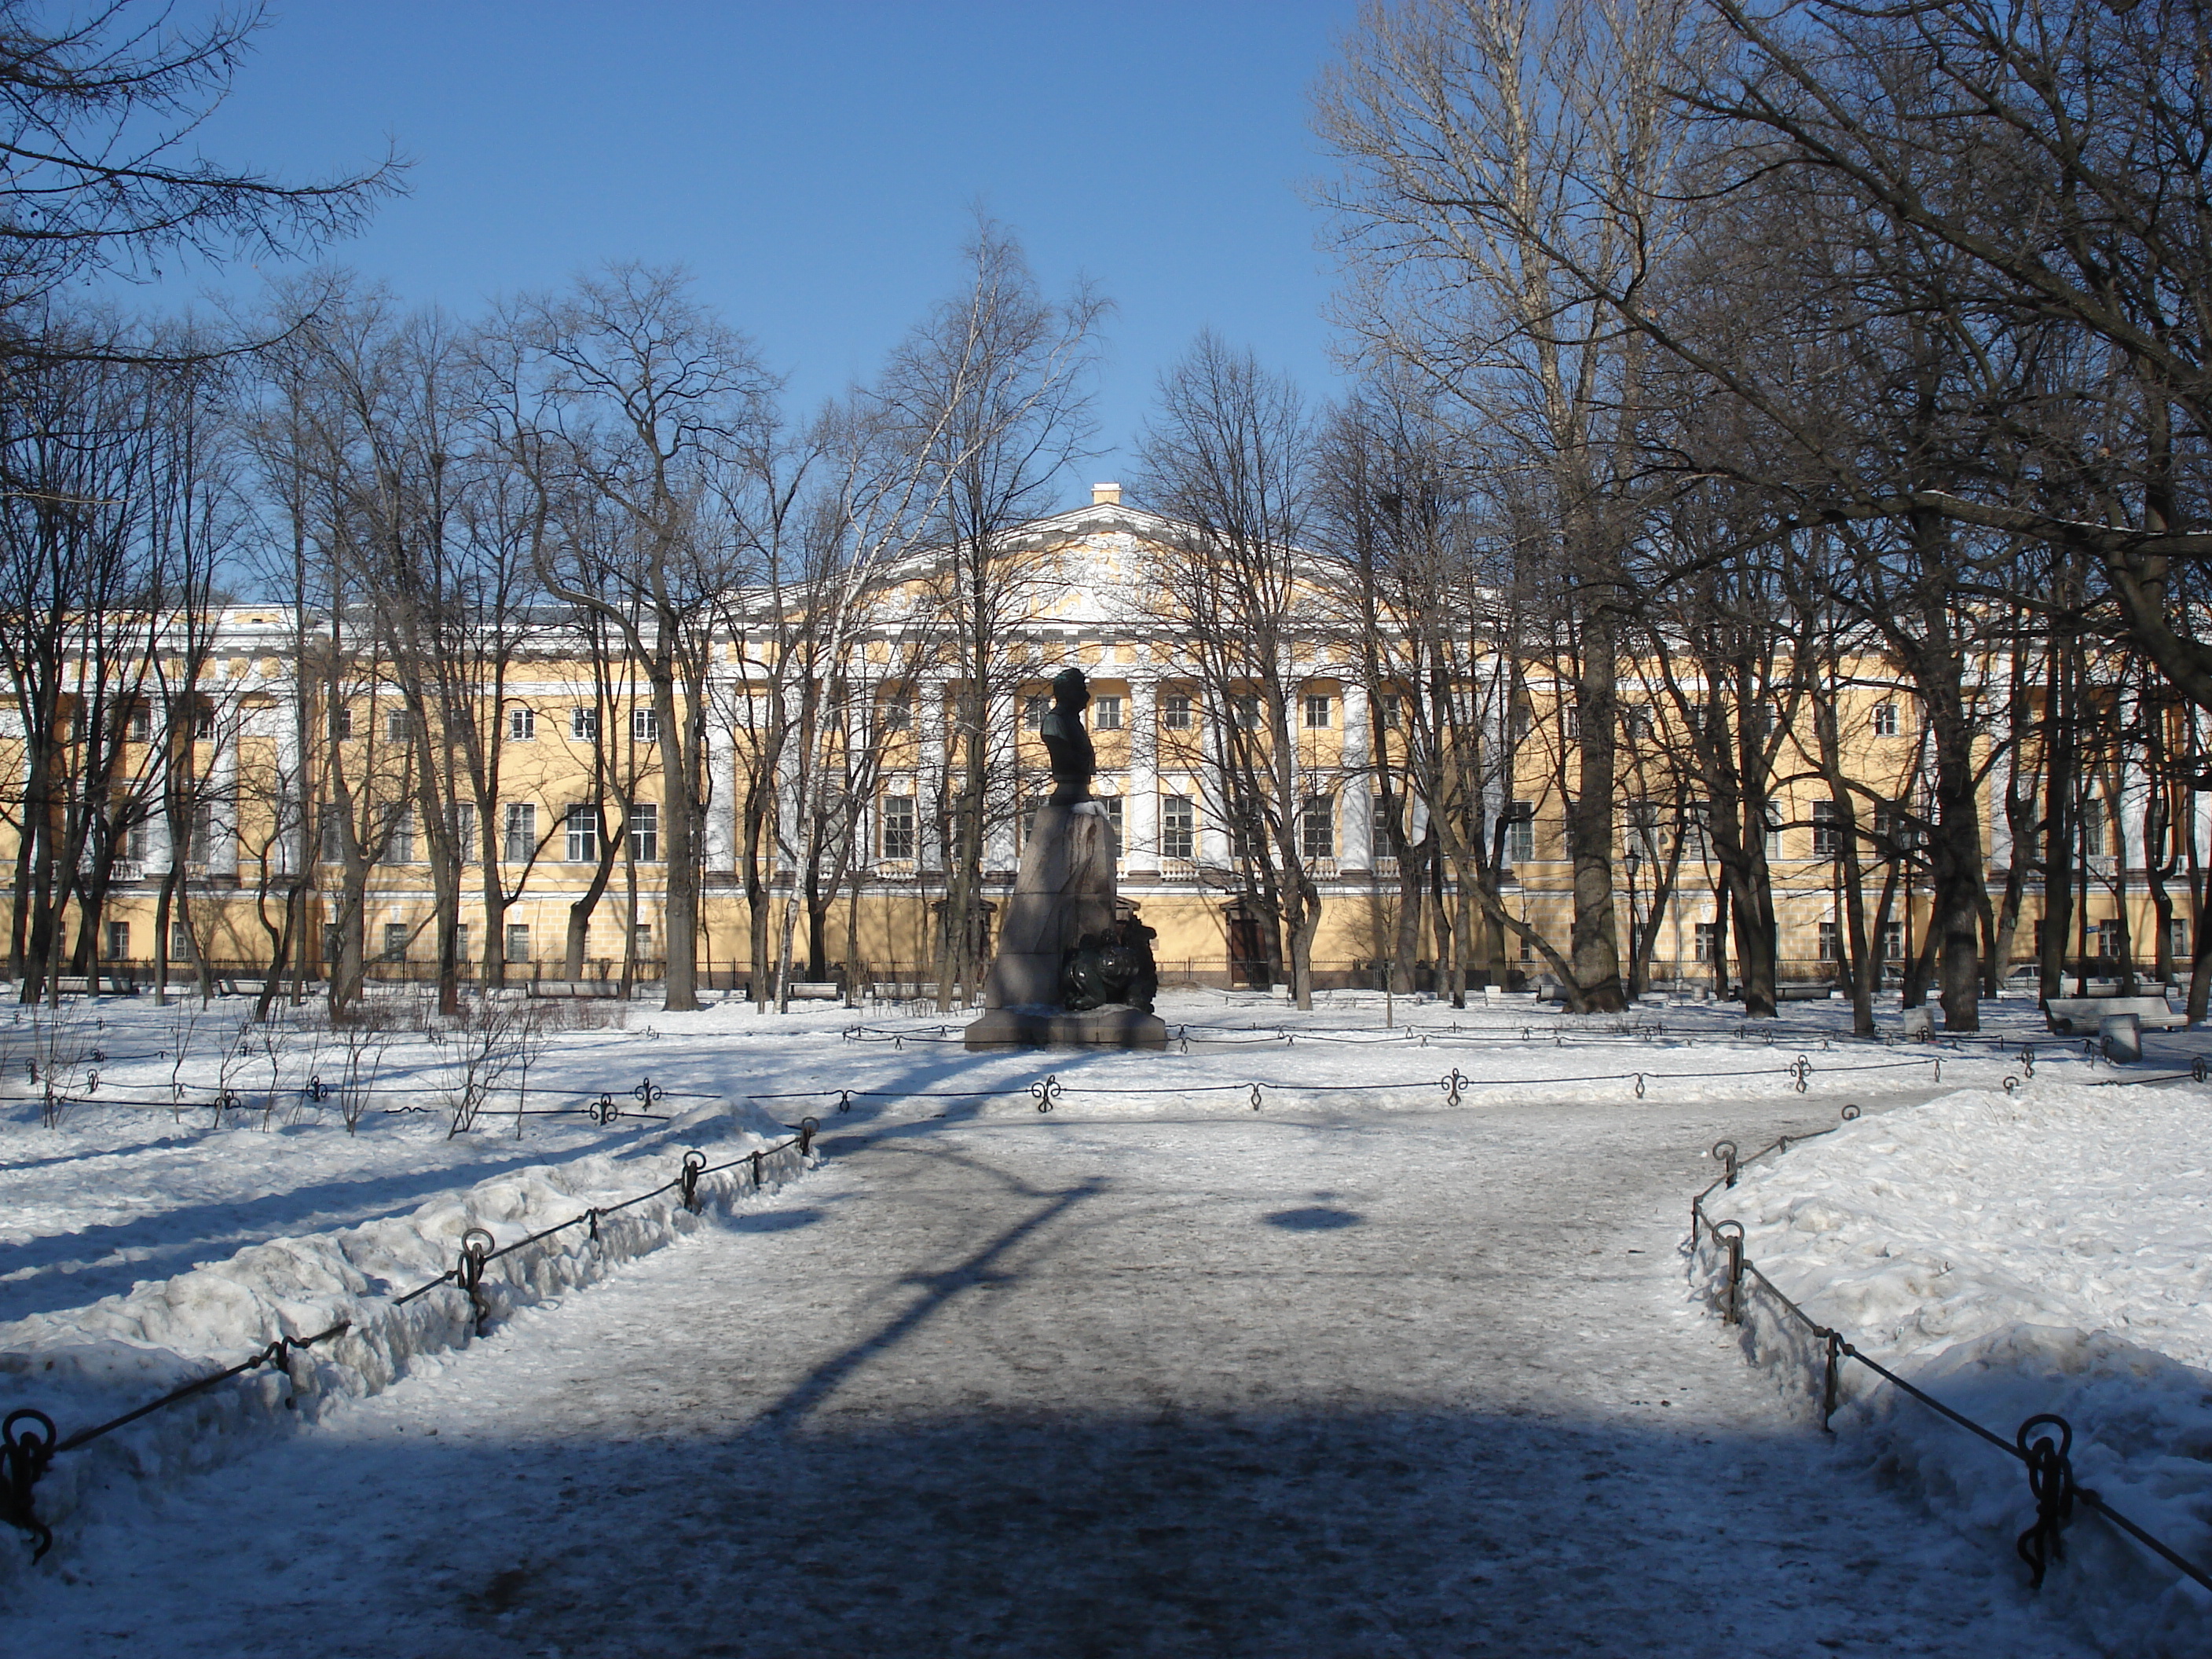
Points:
[(814, 165)]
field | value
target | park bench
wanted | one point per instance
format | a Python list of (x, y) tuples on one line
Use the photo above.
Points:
[(2084, 1016), (575, 989), (81, 985), (815, 990)]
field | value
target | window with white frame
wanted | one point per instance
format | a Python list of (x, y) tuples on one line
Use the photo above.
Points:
[(583, 724), (522, 723), (1106, 713), (180, 942), (1034, 709), (1244, 708), (398, 725), (1892, 941), (1178, 827), (1113, 806), (1176, 712), (1391, 705), (1831, 943), (1521, 833), (518, 941), (645, 725), (395, 937), (342, 722), (2092, 829), (330, 820), (897, 712), (461, 826), (582, 840), (895, 836), (1317, 708), (399, 838), (1382, 816), (521, 836), (1317, 828), (1828, 830), (1884, 719), (1707, 941), (645, 832)]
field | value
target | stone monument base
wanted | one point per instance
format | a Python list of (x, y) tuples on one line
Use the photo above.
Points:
[(1038, 1027)]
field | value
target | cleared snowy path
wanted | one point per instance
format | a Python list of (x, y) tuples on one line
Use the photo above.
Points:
[(1420, 1384)]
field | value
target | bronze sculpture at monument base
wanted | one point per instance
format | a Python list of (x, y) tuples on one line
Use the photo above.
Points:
[(1074, 967), (1115, 1027)]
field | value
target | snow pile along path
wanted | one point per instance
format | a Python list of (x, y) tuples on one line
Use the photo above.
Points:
[(86, 1366), (2049, 1251)]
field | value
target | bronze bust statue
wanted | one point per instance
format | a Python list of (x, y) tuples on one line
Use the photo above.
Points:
[(1073, 760)]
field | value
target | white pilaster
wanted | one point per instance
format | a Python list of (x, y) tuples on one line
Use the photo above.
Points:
[(1141, 821)]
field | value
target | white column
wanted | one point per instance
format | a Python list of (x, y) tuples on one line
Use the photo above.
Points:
[(291, 782), (929, 780), (1355, 818), (222, 852), (1141, 810), (721, 838)]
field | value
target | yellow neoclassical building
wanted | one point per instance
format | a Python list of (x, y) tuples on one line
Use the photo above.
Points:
[(292, 788)]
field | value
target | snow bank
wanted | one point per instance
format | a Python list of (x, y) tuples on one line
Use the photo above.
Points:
[(85, 1365), (2049, 1251)]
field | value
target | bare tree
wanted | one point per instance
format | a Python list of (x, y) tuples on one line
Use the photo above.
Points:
[(992, 393)]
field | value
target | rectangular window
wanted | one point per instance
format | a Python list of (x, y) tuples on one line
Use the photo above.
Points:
[(645, 832), (1827, 834), (1106, 713), (1892, 941), (2177, 939), (118, 941), (2092, 829), (1317, 828), (396, 935), (1246, 838), (1573, 717), (583, 835), (1392, 708), (518, 941), (898, 714), (203, 724), (1643, 825), (342, 722), (399, 838), (1830, 946), (2108, 938), (138, 725), (1884, 719), (1521, 833), (1178, 828), (1025, 820), (1113, 806), (522, 723), (641, 941), (1033, 713), (645, 725), (1245, 709), (461, 828), (583, 724), (399, 726), (896, 838), (521, 838), (1707, 941), (1175, 712), (1381, 819), (1773, 829), (332, 821), (333, 941), (180, 942), (1317, 708), (461, 943), (134, 840)]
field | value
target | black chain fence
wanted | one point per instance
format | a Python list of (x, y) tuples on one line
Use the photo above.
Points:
[(2043, 1444), (30, 1442)]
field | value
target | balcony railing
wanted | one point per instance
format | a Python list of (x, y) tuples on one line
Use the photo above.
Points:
[(1178, 870), (895, 868), (1322, 869), (1386, 869)]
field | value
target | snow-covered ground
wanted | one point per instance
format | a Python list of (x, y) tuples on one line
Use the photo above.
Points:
[(2048, 1250), (131, 1235)]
